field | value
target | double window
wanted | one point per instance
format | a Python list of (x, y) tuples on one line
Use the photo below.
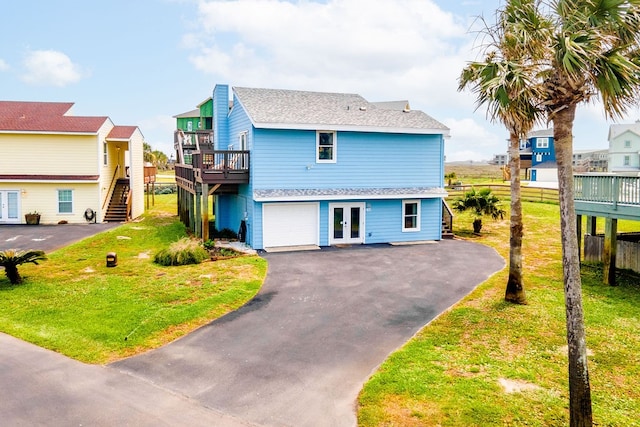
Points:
[(65, 201), (410, 215), (326, 143), (542, 143)]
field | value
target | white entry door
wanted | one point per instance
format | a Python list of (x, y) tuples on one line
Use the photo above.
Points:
[(9, 206), (346, 223)]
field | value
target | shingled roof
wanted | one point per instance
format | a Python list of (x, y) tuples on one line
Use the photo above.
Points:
[(290, 109), (18, 116), (122, 132)]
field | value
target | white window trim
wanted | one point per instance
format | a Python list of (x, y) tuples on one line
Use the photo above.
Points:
[(418, 216), (542, 143), (335, 146), (105, 156), (243, 140), (58, 201)]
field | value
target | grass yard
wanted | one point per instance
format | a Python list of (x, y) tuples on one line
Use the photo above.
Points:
[(73, 304), (489, 363)]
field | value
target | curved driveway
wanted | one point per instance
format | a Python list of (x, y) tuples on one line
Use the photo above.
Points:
[(298, 354)]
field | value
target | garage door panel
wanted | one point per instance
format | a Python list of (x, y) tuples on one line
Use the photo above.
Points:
[(290, 224)]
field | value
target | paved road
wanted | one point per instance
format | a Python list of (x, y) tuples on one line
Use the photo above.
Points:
[(296, 355), (47, 237)]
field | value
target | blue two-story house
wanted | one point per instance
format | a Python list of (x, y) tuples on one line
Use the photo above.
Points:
[(292, 168), (538, 153)]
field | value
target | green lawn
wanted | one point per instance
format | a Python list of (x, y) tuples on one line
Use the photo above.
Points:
[(72, 303), (451, 373)]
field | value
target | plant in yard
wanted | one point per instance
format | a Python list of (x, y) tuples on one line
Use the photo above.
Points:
[(589, 50), (183, 252), (10, 259), (505, 86), (480, 202)]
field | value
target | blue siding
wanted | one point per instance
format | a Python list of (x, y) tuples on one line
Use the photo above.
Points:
[(220, 112), (548, 154), (287, 159)]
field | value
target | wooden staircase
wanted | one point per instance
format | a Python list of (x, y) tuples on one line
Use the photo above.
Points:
[(117, 209), (447, 221)]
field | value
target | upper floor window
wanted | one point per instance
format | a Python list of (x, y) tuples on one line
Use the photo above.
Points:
[(65, 201), (104, 154), (326, 147), (538, 157), (189, 126), (410, 215), (542, 143), (627, 160), (627, 144)]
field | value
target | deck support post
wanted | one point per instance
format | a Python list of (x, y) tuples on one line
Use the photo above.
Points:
[(197, 224), (579, 234), (205, 212), (609, 252), (591, 225)]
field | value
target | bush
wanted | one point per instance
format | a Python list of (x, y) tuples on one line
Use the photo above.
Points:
[(225, 233), (184, 251), (209, 244)]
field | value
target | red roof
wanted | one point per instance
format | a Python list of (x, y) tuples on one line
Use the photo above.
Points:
[(121, 132), (45, 117)]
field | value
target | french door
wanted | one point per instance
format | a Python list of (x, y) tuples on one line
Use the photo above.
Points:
[(9, 206), (346, 223)]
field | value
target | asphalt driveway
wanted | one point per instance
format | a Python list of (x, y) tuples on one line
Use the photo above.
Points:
[(296, 355), (47, 237)]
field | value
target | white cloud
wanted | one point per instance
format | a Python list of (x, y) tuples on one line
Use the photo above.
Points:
[(383, 50), (3, 65), (50, 68), (472, 140), (381, 47), (159, 125)]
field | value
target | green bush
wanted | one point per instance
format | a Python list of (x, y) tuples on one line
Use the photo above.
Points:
[(184, 251)]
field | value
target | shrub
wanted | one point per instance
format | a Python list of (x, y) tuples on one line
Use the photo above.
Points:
[(225, 233), (10, 259), (209, 244), (184, 251)]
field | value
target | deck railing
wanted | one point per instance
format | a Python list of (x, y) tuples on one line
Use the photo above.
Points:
[(610, 189)]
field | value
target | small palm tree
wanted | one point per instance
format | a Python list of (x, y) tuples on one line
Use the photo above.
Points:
[(481, 202), (10, 259)]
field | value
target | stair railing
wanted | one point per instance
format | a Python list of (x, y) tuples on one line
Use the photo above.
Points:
[(447, 215), (113, 181)]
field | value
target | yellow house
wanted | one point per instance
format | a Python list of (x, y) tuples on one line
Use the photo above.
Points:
[(67, 168)]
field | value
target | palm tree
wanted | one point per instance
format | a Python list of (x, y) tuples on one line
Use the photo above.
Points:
[(10, 259), (481, 202), (593, 49), (503, 82)]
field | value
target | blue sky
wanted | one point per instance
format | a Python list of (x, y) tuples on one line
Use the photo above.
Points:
[(141, 62)]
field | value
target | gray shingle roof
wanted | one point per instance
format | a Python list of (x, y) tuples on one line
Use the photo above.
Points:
[(350, 193), (277, 108)]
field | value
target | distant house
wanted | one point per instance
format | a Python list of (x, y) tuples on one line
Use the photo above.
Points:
[(291, 168), (67, 168), (538, 155), (499, 159), (624, 148), (590, 161)]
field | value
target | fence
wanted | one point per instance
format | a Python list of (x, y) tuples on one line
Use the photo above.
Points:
[(503, 191), (627, 250)]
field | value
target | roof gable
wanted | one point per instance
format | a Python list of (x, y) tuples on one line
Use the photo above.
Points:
[(122, 132), (290, 109), (616, 130), (21, 116)]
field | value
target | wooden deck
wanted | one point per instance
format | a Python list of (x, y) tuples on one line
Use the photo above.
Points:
[(608, 196)]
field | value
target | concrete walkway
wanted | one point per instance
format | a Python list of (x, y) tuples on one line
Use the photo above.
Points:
[(296, 355)]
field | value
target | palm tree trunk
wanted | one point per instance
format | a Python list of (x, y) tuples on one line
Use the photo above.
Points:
[(579, 388), (515, 289), (11, 271)]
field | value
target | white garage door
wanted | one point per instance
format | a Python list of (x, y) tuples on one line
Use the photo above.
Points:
[(289, 224)]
